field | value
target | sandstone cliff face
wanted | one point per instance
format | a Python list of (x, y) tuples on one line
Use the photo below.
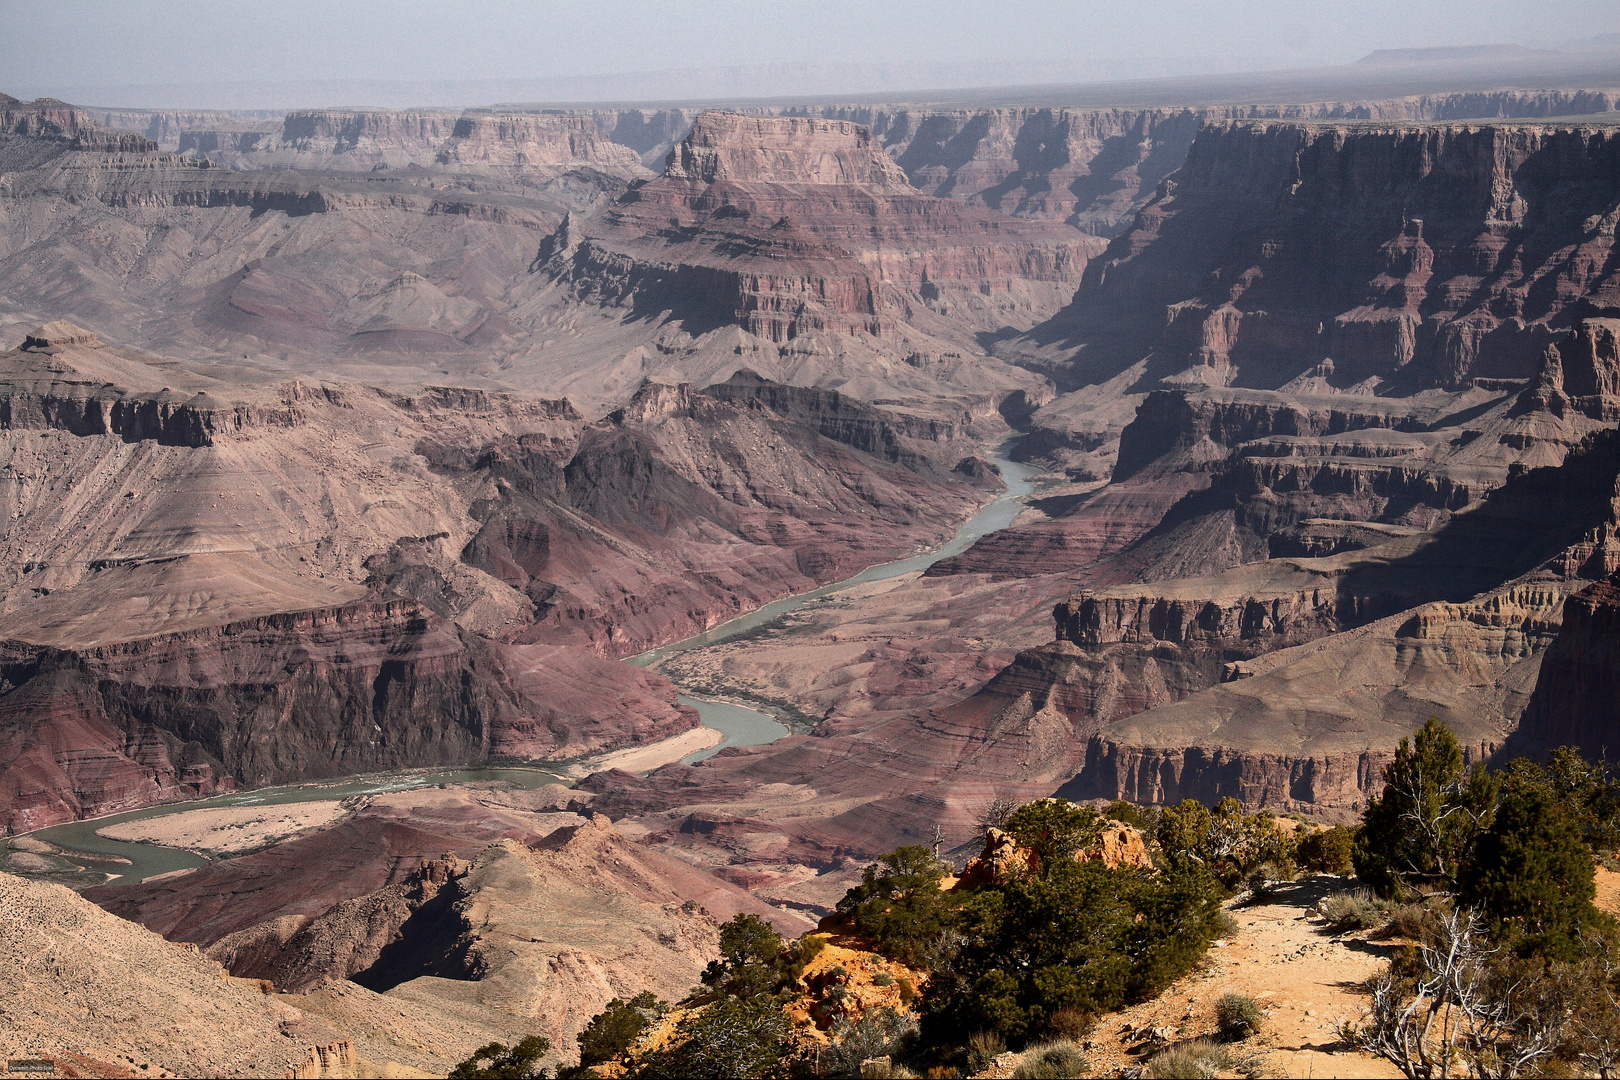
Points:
[(359, 141), (312, 693), (523, 142)]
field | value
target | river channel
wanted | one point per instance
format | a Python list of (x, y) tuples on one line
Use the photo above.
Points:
[(741, 726)]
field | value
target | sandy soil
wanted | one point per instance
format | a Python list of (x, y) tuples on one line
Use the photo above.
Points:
[(228, 830), (649, 757)]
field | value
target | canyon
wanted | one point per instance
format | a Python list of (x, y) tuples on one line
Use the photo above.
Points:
[(342, 442)]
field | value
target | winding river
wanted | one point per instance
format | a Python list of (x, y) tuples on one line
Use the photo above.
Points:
[(741, 726)]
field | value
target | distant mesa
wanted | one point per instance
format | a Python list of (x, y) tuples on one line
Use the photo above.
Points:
[(783, 150), (60, 334)]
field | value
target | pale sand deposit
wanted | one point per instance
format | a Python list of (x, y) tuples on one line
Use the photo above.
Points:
[(647, 758), (228, 830)]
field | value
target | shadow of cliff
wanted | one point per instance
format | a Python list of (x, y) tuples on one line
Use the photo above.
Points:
[(1531, 519)]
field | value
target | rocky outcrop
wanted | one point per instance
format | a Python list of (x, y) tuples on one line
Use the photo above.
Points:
[(297, 952), (37, 394), (1090, 620), (1004, 859)]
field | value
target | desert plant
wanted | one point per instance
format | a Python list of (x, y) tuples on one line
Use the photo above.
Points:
[(880, 1033), (612, 1030), (749, 947), (1264, 879), (1196, 1060), (1225, 925), (1328, 851), (1420, 831), (497, 1061), (1053, 830), (1225, 841), (730, 1037), (1532, 867), (1144, 818), (996, 814), (1069, 1023), (899, 906), (1455, 1004), (1080, 935), (1411, 921), (1237, 1016), (1059, 1059), (983, 1047), (1354, 909)]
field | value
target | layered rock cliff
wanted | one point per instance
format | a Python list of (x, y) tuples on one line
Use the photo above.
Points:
[(788, 226), (1388, 250), (1095, 167)]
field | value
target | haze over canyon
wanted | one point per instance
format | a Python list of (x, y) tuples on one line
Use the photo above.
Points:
[(371, 446)]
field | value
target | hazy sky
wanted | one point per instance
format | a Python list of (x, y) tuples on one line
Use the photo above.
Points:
[(108, 43)]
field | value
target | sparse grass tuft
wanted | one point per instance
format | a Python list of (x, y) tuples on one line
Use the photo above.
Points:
[(1238, 1016), (982, 1049), (1196, 1060), (1059, 1059)]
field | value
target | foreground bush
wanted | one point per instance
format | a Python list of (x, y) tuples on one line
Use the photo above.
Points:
[(620, 1024), (1354, 909), (1081, 936), (729, 1037), (1224, 841), (878, 1034), (1460, 1004), (1329, 851), (899, 907)]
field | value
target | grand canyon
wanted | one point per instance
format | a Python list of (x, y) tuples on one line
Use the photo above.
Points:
[(458, 560)]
